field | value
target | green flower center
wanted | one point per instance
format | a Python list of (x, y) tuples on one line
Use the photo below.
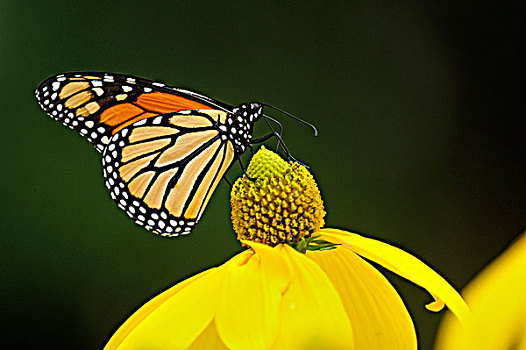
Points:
[(282, 205)]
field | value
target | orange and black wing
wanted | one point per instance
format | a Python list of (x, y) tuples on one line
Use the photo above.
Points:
[(98, 105), (162, 170)]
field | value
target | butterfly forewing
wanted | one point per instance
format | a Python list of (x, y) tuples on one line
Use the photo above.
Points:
[(98, 105), (163, 170)]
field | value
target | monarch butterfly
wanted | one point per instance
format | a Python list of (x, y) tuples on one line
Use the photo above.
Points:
[(164, 149)]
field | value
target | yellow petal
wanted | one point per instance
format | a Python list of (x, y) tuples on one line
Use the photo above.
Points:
[(208, 340), (378, 316), (497, 298), (522, 345), (174, 318), (312, 314), (403, 264), (247, 315)]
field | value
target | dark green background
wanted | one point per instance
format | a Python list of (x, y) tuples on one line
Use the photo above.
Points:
[(421, 141)]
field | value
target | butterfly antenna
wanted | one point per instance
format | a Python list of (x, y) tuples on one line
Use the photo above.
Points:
[(292, 116)]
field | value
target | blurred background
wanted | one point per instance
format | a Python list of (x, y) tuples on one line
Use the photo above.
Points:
[(421, 141)]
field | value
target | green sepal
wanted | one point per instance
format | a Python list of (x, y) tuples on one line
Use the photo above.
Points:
[(311, 243)]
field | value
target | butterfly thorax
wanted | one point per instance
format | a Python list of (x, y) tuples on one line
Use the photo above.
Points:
[(239, 125)]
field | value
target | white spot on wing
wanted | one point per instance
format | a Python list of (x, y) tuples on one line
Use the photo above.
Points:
[(98, 91)]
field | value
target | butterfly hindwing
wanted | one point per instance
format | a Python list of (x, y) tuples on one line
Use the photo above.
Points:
[(163, 170), (98, 105)]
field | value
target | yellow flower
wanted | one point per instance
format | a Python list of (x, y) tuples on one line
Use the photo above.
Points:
[(497, 298), (296, 287)]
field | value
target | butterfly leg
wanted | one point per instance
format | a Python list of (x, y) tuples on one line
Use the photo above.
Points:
[(281, 143), (244, 171), (266, 137), (227, 181), (267, 118)]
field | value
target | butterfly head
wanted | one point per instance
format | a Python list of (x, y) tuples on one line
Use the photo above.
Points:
[(241, 124)]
